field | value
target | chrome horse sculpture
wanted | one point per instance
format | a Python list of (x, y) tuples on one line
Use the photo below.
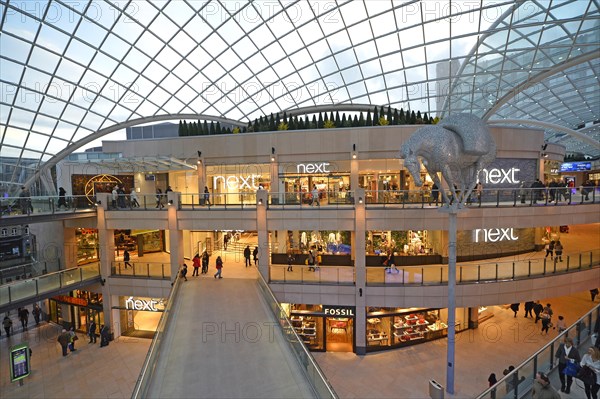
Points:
[(458, 147)]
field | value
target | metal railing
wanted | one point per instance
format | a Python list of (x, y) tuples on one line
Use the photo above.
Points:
[(141, 269), (313, 373), (13, 206), (23, 271), (301, 274), (33, 287), (503, 197), (145, 378), (484, 272), (519, 382)]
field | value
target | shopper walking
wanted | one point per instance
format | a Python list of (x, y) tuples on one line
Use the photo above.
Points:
[(159, 195), (92, 332), (36, 312), (196, 265), (315, 196), (515, 308), (247, 255), (64, 339), (255, 256), (529, 308), (561, 325), (205, 260), (104, 336), (206, 196), (61, 198), (566, 353), (133, 199), (126, 258), (311, 261), (219, 266), (537, 309), (549, 247), (7, 324), (24, 317), (290, 259), (543, 389), (184, 272), (594, 293), (592, 360), (72, 338), (558, 250)]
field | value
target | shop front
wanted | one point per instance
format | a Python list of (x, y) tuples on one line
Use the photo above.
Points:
[(332, 246), (331, 179), (76, 310), (139, 316), (236, 184), (323, 327), (396, 327)]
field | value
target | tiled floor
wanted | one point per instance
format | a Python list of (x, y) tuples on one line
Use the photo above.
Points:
[(111, 372)]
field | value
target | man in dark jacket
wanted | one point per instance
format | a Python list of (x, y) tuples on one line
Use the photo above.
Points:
[(566, 354), (537, 309), (63, 339), (92, 332), (247, 255)]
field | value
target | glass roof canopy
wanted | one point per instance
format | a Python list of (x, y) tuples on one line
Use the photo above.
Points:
[(72, 68)]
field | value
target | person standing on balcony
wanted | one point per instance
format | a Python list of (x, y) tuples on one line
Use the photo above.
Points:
[(558, 250), (126, 258), (61, 198), (196, 264), (206, 196), (255, 256), (114, 196), (205, 260), (133, 199), (37, 312), (25, 201), (247, 255), (159, 195), (219, 266)]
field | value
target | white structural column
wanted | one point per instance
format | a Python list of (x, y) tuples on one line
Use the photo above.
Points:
[(201, 178), (360, 272), (263, 234), (175, 235), (106, 240)]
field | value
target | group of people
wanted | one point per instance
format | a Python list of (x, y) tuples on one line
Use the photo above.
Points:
[(554, 248), (198, 261), (543, 313), (118, 198), (247, 254), (555, 191)]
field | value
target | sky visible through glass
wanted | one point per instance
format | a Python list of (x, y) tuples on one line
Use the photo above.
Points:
[(72, 68)]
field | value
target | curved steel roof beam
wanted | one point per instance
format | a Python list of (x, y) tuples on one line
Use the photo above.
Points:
[(537, 79)]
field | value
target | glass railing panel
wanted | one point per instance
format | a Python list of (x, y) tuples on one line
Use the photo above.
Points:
[(411, 275), (159, 270), (90, 271), (433, 275), (375, 275), (22, 290), (49, 282), (506, 270), (70, 277)]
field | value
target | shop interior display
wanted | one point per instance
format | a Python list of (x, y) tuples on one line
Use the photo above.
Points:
[(305, 327), (416, 326)]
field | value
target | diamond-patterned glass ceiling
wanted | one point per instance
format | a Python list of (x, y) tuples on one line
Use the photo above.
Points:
[(71, 68)]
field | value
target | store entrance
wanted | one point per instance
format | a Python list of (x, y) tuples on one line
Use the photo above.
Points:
[(340, 334)]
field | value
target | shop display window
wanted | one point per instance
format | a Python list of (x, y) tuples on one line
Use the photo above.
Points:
[(309, 329), (87, 246), (401, 327)]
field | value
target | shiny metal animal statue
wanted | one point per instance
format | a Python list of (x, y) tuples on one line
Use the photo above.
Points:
[(458, 147)]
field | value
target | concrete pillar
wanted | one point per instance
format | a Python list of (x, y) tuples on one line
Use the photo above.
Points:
[(106, 244), (69, 257), (354, 173), (175, 236), (201, 171), (263, 233), (358, 246)]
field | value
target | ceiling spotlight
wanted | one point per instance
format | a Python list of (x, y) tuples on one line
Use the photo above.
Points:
[(260, 201), (170, 202), (360, 201)]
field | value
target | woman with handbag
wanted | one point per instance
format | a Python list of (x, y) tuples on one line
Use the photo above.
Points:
[(591, 360), (568, 362)]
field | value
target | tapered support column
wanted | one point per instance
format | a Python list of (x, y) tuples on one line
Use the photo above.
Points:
[(175, 235), (263, 234), (451, 300), (360, 273)]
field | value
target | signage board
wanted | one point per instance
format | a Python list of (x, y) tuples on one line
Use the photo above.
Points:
[(343, 311), (19, 362), (575, 166), (149, 305)]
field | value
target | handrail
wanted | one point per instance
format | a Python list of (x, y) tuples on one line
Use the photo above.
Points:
[(143, 382), (161, 270), (586, 322), (21, 290), (469, 273), (318, 381)]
